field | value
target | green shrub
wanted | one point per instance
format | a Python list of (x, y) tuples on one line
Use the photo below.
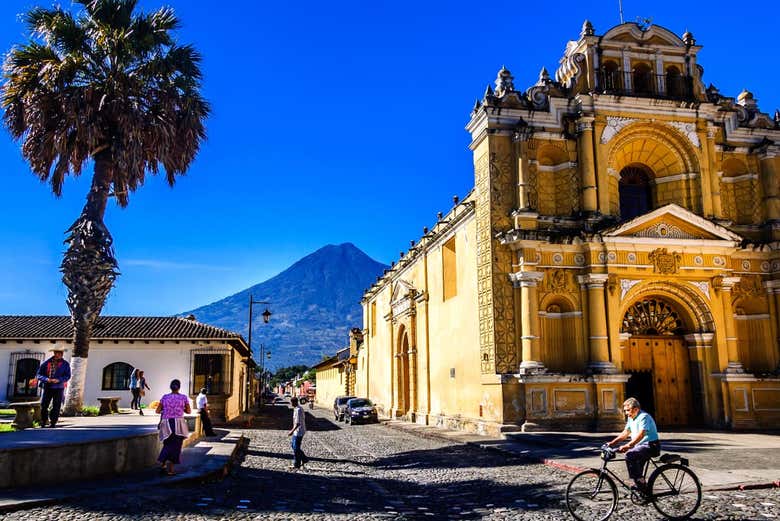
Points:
[(90, 410)]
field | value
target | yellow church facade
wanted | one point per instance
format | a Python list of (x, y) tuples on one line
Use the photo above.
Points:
[(621, 239)]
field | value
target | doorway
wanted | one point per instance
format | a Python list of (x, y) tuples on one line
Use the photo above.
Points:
[(660, 378)]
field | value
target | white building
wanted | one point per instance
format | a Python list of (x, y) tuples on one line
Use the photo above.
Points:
[(165, 348)]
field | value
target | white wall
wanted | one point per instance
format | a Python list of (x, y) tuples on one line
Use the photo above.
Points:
[(161, 363)]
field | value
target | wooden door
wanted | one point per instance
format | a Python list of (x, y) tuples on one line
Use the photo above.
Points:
[(666, 358), (671, 382)]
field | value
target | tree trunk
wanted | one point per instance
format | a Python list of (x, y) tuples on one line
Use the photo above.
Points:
[(89, 269)]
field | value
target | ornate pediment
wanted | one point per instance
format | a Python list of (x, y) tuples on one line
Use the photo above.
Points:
[(402, 302), (672, 222)]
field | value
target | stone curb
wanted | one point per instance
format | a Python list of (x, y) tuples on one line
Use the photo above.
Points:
[(218, 472), (566, 467)]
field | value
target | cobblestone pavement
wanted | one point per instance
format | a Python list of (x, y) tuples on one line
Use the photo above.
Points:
[(374, 472)]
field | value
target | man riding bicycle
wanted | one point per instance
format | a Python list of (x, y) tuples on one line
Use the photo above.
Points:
[(644, 442)]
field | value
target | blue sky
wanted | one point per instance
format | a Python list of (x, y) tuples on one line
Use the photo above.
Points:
[(332, 122)]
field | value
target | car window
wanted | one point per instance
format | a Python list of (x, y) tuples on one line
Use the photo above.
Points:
[(360, 402)]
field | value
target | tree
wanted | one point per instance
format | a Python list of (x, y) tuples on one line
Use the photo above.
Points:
[(109, 85), (284, 374)]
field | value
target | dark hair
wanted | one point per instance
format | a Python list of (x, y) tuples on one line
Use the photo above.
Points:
[(293, 401), (175, 385), (202, 390)]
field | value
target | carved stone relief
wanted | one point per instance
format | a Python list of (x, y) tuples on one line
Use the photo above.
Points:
[(665, 262), (614, 125), (625, 285), (688, 130), (664, 231)]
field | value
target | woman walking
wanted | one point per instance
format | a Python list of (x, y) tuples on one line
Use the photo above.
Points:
[(135, 402), (173, 426), (142, 388)]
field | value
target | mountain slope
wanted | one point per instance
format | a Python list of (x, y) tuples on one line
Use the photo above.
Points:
[(314, 304)]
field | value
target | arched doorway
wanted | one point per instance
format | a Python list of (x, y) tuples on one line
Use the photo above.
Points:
[(656, 357), (404, 402)]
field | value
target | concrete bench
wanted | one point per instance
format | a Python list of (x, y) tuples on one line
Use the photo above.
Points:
[(26, 413), (108, 405)]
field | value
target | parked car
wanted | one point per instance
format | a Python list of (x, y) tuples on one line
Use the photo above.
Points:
[(339, 406), (360, 410), (302, 399)]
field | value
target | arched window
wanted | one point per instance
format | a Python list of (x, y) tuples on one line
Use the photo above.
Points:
[(674, 85), (116, 376), (642, 78), (635, 192), (26, 381), (612, 79)]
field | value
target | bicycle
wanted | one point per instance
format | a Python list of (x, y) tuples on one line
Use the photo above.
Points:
[(673, 489)]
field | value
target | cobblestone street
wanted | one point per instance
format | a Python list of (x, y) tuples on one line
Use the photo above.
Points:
[(375, 472)]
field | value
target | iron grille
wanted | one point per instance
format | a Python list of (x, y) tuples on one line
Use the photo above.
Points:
[(22, 371), (211, 368)]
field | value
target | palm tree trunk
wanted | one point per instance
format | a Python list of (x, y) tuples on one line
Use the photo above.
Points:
[(89, 269)]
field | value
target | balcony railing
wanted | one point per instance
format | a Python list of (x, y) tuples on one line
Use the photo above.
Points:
[(645, 85)]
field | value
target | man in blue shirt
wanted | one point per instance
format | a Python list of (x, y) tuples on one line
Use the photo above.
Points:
[(53, 374), (643, 443)]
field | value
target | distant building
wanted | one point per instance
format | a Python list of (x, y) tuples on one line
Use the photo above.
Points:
[(337, 375), (622, 239), (165, 348)]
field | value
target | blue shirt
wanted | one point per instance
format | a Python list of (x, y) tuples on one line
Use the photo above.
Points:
[(133, 380), (643, 421), (60, 370)]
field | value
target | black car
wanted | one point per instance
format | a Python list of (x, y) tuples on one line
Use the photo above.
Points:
[(339, 404), (360, 410)]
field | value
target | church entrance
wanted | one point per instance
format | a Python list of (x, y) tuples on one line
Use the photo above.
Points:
[(656, 357), (403, 401)]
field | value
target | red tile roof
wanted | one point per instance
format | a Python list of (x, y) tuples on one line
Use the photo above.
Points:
[(32, 327)]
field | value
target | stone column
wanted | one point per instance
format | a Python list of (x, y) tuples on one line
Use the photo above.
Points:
[(734, 363), (531, 354), (598, 340), (412, 354), (708, 150), (587, 165), (773, 296), (520, 140), (698, 345), (769, 178)]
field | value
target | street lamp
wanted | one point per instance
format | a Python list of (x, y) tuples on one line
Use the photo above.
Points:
[(266, 317)]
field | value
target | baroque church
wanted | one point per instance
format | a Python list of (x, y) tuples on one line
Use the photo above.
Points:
[(621, 239)]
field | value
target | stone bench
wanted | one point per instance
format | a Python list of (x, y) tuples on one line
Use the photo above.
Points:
[(108, 405), (26, 413)]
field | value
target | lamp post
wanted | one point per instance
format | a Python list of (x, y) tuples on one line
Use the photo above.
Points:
[(266, 317)]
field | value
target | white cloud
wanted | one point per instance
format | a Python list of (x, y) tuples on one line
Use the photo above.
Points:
[(156, 264)]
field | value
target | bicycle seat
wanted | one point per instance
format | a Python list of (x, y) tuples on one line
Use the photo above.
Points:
[(669, 458)]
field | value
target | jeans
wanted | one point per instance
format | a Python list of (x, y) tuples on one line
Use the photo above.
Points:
[(135, 403), (638, 456), (299, 458), (51, 397)]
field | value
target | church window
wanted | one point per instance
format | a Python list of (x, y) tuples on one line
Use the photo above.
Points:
[(449, 269), (674, 82), (635, 192), (611, 77), (642, 79), (373, 318)]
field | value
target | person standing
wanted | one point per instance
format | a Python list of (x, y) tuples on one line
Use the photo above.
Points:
[(297, 432), (53, 375), (134, 403), (202, 403), (173, 426), (142, 388)]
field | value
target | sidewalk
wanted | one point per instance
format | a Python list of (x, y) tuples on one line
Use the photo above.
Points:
[(206, 459), (722, 460)]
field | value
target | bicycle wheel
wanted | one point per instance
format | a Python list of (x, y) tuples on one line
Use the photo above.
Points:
[(591, 496), (675, 491)]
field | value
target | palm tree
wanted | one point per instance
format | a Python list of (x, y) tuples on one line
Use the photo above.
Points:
[(109, 85)]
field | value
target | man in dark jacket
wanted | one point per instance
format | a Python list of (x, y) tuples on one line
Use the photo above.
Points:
[(52, 375)]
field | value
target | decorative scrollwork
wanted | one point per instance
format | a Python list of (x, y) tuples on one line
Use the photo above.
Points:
[(652, 317), (665, 262)]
